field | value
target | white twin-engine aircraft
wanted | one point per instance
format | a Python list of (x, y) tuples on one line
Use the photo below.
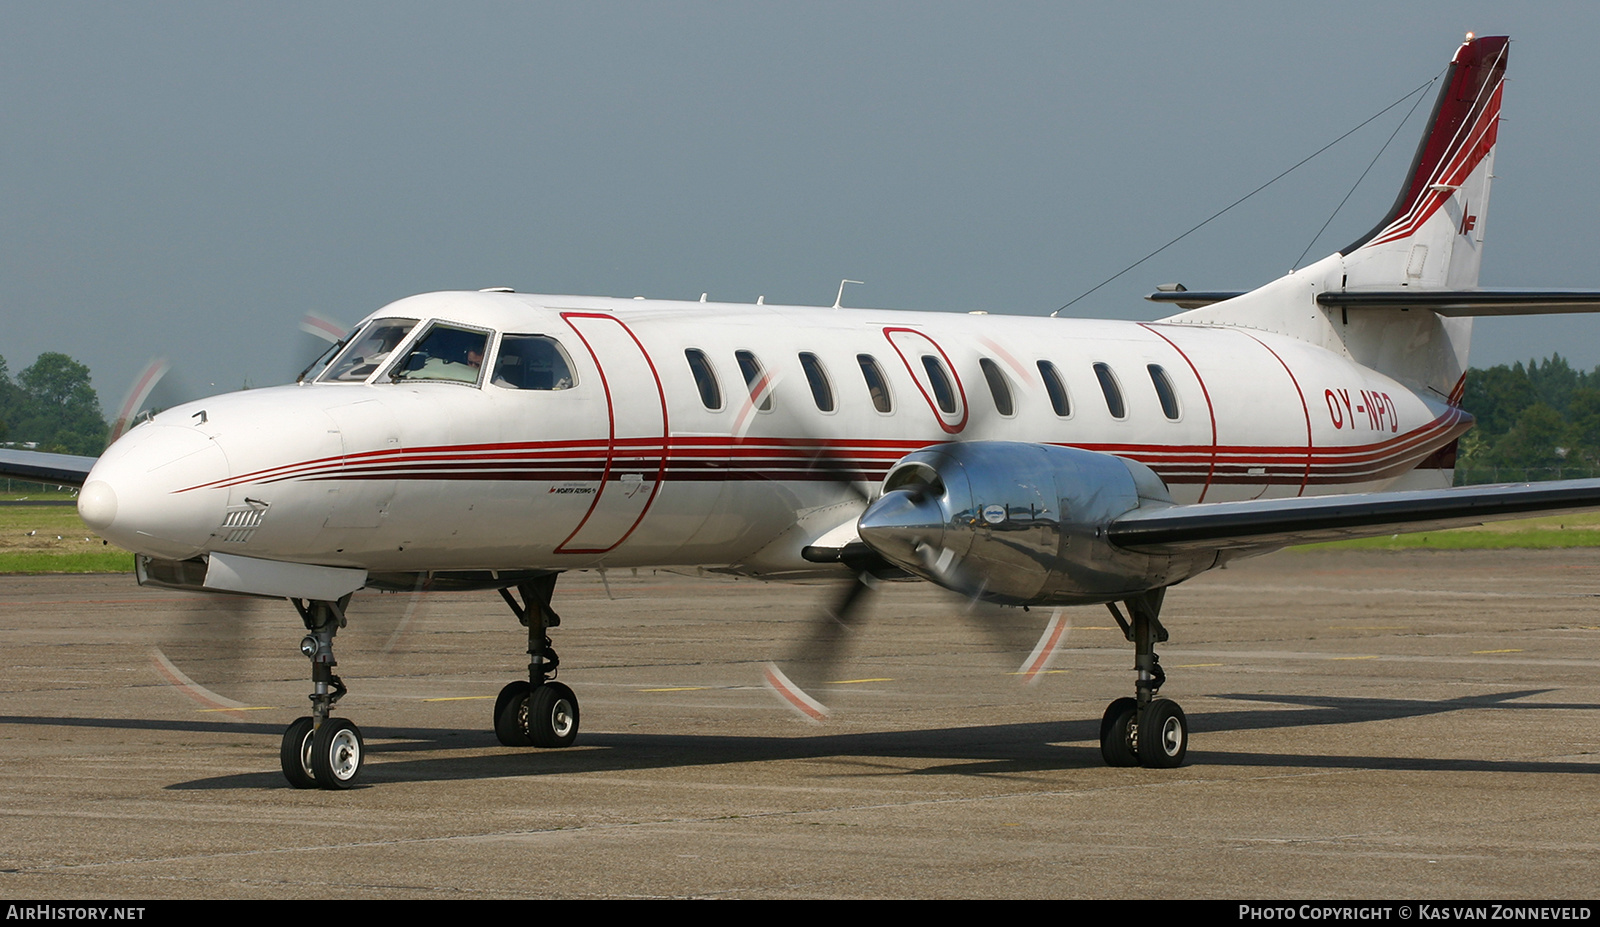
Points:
[(495, 439)]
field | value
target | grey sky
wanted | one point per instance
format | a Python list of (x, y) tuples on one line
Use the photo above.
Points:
[(187, 179)]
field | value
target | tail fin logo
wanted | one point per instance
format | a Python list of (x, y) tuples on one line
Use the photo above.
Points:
[(1461, 134)]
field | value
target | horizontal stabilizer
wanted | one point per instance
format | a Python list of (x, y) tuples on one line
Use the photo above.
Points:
[(1192, 299), (1267, 524), (61, 469), (1459, 303)]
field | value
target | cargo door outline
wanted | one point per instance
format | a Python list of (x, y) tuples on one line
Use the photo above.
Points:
[(603, 529)]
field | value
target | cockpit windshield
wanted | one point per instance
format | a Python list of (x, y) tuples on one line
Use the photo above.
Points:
[(367, 350), (445, 352)]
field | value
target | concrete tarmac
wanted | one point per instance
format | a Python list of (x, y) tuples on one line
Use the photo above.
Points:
[(1399, 725)]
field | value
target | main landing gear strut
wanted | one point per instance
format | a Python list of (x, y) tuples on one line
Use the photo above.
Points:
[(1145, 730), (539, 712), (319, 751)]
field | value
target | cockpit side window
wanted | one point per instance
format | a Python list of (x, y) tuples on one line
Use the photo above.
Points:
[(532, 362), (444, 352), (367, 350)]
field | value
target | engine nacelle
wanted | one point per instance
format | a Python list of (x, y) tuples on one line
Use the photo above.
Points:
[(1020, 524)]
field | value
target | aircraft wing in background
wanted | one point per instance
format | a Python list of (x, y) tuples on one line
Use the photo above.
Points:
[(60, 469), (1261, 525)]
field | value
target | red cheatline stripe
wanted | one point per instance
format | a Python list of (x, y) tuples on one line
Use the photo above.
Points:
[(801, 459)]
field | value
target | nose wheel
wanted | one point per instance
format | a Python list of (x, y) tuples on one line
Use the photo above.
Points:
[(1144, 731), (319, 751)]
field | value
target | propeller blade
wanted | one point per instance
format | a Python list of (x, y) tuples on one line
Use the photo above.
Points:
[(138, 391), (816, 660)]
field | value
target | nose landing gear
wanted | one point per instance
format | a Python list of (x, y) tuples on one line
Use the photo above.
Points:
[(319, 751)]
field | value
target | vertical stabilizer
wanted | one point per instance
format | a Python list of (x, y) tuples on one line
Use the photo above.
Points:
[(1430, 239), (1433, 235)]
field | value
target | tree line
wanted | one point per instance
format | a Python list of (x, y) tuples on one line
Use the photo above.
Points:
[(51, 406), (1539, 421), (1536, 421)]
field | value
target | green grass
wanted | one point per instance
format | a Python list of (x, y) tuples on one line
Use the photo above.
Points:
[(58, 542), (1543, 532), (115, 560)]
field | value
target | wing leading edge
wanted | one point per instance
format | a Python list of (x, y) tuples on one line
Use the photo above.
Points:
[(1267, 524)]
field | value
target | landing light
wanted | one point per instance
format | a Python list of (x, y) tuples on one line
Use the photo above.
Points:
[(308, 646)]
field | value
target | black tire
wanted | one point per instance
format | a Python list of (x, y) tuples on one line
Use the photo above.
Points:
[(1163, 735), (1118, 733), (337, 752), (511, 726), (295, 754), (552, 716)]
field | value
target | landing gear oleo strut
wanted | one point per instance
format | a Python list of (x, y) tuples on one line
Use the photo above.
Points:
[(539, 712), (1145, 730), (319, 751)]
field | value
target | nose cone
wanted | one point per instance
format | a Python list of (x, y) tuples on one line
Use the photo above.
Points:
[(154, 491), (902, 526)]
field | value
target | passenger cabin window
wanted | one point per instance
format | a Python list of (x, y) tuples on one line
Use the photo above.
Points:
[(943, 393), (1165, 392), (368, 350), (532, 362), (817, 376), (999, 387), (705, 379), (756, 379), (1053, 385), (877, 386), (1113, 391), (447, 353)]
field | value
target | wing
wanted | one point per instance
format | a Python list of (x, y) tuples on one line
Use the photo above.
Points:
[(60, 469), (1267, 524)]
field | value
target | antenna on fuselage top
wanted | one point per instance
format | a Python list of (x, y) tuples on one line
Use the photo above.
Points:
[(840, 298)]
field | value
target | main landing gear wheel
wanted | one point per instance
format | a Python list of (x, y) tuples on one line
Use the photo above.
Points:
[(540, 712), (511, 715), (295, 754), (1145, 731), (1119, 732), (552, 719), (1163, 734), (336, 754)]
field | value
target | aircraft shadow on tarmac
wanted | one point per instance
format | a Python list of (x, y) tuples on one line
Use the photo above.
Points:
[(401, 754)]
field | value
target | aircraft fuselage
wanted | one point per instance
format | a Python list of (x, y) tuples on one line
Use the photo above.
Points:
[(634, 463)]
